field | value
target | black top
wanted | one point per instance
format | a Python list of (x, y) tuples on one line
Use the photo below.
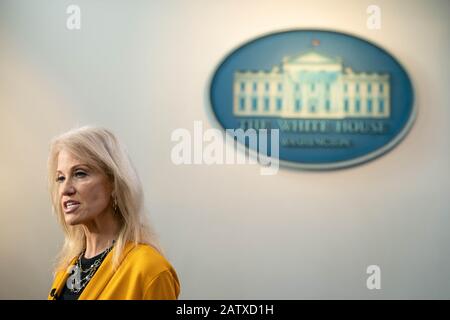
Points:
[(66, 293)]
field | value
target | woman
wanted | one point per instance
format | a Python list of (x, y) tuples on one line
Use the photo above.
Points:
[(109, 251)]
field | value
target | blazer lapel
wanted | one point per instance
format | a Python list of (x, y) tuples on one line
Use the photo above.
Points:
[(60, 281)]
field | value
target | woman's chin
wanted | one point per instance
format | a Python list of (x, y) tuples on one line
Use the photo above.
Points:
[(72, 220)]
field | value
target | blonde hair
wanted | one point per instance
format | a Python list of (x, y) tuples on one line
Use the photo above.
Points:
[(101, 150)]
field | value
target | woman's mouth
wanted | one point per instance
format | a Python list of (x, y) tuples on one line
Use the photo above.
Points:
[(70, 206)]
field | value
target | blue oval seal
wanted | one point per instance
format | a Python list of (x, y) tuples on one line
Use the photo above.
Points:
[(336, 99)]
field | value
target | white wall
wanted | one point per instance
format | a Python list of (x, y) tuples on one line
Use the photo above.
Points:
[(142, 69)]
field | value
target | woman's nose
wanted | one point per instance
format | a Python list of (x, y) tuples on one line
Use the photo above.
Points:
[(68, 188)]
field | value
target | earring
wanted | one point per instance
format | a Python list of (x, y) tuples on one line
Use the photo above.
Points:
[(115, 205)]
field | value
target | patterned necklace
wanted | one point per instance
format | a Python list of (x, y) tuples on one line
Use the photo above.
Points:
[(82, 276)]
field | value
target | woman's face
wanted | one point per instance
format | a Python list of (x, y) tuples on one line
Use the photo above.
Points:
[(84, 193)]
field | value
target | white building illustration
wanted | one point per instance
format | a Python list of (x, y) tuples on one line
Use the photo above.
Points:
[(311, 85)]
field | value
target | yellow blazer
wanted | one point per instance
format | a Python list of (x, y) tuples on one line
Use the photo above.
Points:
[(143, 274)]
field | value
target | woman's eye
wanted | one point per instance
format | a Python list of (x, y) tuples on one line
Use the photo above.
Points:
[(60, 179), (80, 174)]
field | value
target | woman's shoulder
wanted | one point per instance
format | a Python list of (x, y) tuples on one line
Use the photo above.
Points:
[(145, 258), (147, 268)]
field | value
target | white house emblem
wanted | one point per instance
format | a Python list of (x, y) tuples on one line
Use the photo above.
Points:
[(337, 100)]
